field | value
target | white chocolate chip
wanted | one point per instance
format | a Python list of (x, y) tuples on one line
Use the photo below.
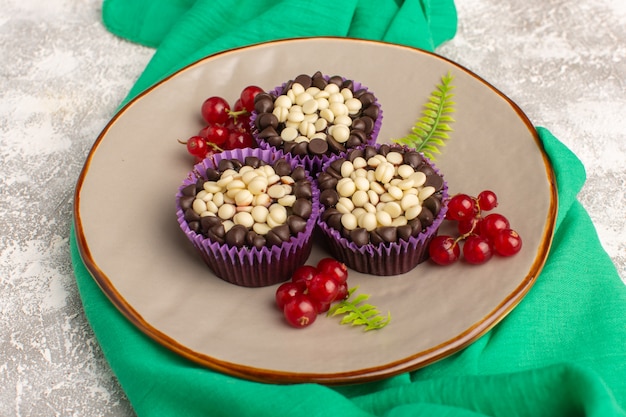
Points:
[(412, 212), (310, 106), (349, 221), (346, 187), (226, 211), (426, 192), (341, 133), (347, 169), (359, 198), (243, 218), (288, 134), (259, 214), (368, 221), (243, 198), (283, 101), (199, 206)]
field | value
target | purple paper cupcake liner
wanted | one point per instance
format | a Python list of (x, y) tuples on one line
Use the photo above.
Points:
[(250, 267), (315, 164), (385, 259)]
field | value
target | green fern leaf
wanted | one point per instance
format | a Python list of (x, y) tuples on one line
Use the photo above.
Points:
[(429, 131), (358, 313)]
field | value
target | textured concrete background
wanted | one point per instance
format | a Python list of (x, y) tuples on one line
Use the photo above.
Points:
[(62, 76)]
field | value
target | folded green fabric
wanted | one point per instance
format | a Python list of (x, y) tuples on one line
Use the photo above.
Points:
[(560, 352), (186, 30)]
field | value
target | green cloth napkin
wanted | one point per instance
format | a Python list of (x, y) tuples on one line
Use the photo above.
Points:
[(561, 352)]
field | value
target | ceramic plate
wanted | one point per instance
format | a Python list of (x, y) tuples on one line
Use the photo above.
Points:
[(130, 240)]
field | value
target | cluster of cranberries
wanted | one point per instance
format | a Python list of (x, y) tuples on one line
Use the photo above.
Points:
[(311, 291), (226, 127), (482, 236)]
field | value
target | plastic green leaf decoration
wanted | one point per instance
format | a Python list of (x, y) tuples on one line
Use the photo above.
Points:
[(358, 314), (430, 131)]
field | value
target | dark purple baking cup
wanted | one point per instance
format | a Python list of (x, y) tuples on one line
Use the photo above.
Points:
[(250, 267), (384, 259), (311, 163)]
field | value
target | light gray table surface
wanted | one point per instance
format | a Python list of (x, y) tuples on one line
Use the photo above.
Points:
[(62, 76)]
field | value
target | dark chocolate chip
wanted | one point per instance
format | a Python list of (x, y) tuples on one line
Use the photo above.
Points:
[(329, 212), (358, 124), (369, 124), (298, 173), (304, 80), (225, 164), (296, 224), (208, 222), (186, 201), (405, 232), (367, 99), (273, 239), (200, 185), (388, 233), (212, 174), (253, 239), (334, 221), (336, 79), (337, 163), (356, 153), (319, 81), (360, 236), (334, 173), (194, 226), (358, 93), (426, 169), (413, 159), (275, 141), (371, 111), (376, 238), (359, 134), (318, 146), (303, 189), (349, 84), (303, 208), (426, 217), (189, 190), (287, 87), (263, 103), (191, 216), (353, 141), (416, 226), (216, 233), (435, 181), (237, 164), (326, 180), (282, 232), (370, 152), (253, 161), (433, 204), (236, 236), (282, 167), (329, 197), (335, 146), (300, 149), (384, 149), (268, 132), (266, 119)]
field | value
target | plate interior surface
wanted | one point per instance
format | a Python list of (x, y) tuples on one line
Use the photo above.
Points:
[(130, 240)]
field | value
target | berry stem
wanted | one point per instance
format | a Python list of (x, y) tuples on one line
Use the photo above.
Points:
[(235, 114)]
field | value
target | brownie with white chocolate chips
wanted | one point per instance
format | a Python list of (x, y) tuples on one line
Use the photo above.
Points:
[(381, 204), (249, 204), (313, 117), (250, 214)]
